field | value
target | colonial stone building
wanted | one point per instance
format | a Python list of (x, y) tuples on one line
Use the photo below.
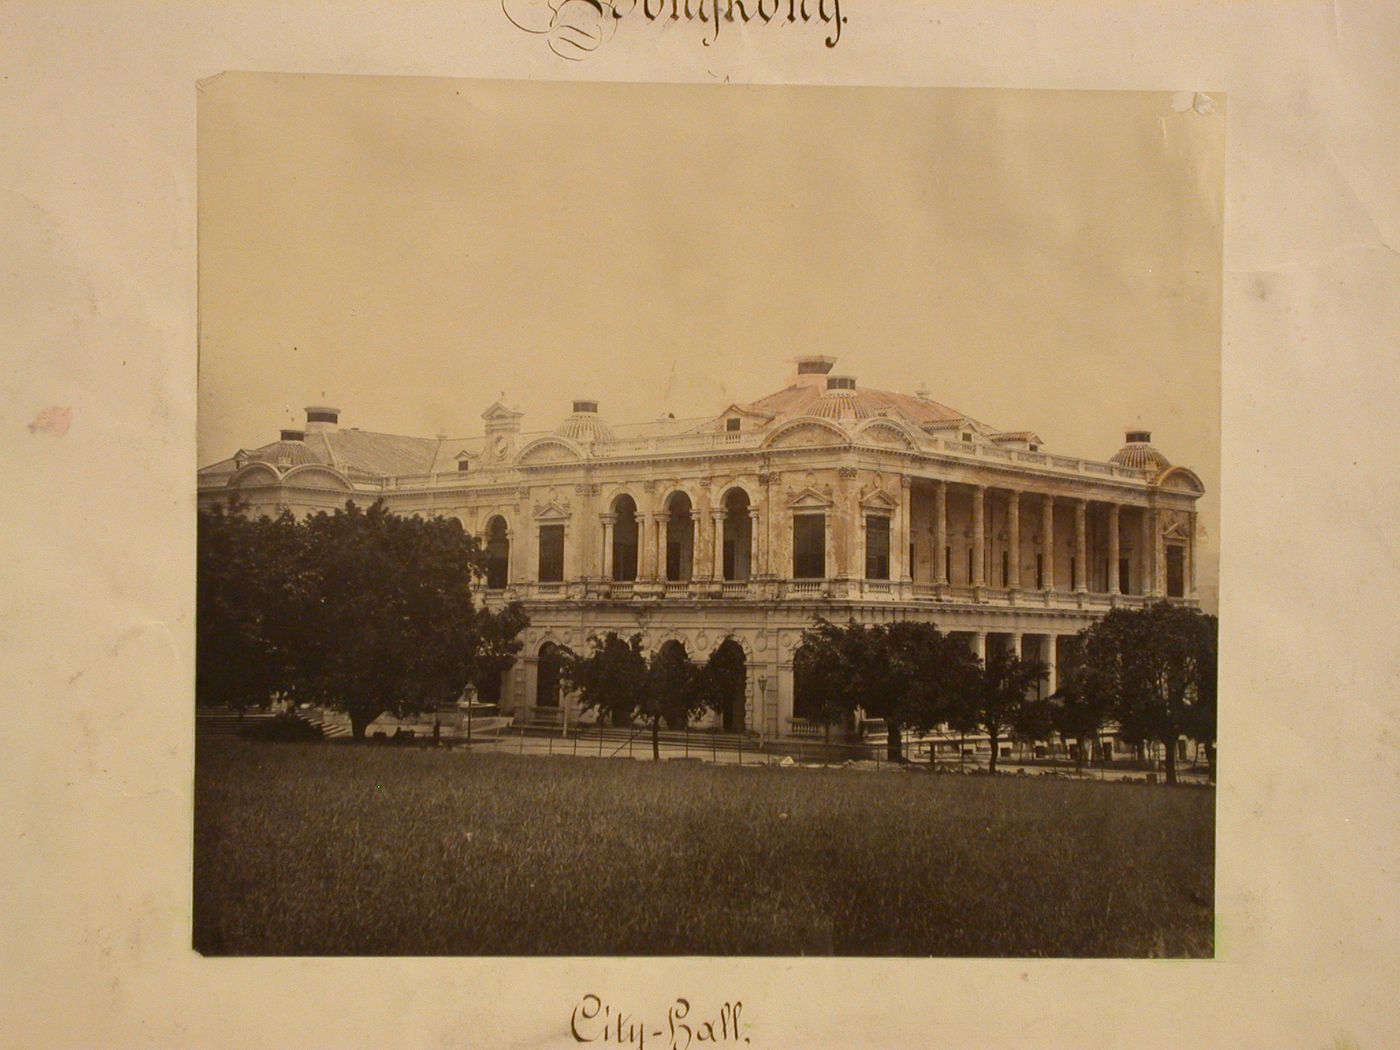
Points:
[(825, 498)]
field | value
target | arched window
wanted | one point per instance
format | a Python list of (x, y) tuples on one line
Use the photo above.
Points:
[(551, 662), (738, 536), (497, 555), (680, 538), (727, 670), (624, 538)]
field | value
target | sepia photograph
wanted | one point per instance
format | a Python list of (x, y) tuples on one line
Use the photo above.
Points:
[(706, 520)]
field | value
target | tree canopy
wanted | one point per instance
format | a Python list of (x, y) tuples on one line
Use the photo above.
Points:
[(362, 610), (1154, 671)]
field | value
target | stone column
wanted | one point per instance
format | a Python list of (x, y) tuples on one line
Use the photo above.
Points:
[(1013, 541), (1016, 643), (979, 536), (940, 532), (717, 546), (658, 546), (1114, 584), (756, 544), (1051, 655), (644, 543), (906, 515), (1047, 541), (1149, 553), (1159, 556), (697, 562), (1191, 554), (608, 521), (1081, 546), (979, 644)]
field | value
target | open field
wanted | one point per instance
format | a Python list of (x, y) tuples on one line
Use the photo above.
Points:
[(337, 849)]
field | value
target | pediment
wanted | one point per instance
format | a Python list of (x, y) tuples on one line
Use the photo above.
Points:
[(317, 477), (879, 500), (550, 450), (1176, 530), (809, 499), (884, 431), (812, 433), (498, 412), (552, 511)]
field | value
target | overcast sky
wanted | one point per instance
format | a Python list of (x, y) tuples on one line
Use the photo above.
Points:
[(410, 249)]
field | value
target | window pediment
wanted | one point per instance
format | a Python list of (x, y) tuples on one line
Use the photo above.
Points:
[(809, 499), (553, 511), (878, 501)]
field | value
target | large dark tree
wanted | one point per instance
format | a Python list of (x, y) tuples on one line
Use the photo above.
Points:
[(723, 678), (1156, 667), (827, 670), (361, 610), (673, 692), (997, 697), (907, 673), (1083, 704), (611, 678)]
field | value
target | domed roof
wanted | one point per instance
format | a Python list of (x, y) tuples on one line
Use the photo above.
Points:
[(1139, 454), (845, 404), (583, 425)]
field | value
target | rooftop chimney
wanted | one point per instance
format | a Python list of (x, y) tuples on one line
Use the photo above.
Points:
[(811, 368), (320, 417), (1139, 437), (586, 406)]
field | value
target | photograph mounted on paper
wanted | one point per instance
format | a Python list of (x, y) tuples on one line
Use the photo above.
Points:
[(642, 519)]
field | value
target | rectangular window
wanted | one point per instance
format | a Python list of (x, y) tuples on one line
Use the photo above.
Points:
[(1040, 572), (551, 554), (1006, 568), (1073, 572), (1176, 571), (1124, 576), (731, 425), (877, 548), (948, 563), (969, 566), (809, 547)]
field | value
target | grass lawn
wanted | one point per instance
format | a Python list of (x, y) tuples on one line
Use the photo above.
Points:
[(324, 849)]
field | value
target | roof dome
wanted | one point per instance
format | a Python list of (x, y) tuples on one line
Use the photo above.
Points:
[(583, 425), (1139, 454), (844, 404)]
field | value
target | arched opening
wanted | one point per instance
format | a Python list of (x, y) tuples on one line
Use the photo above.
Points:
[(497, 554), (680, 537), (488, 690), (672, 671), (728, 672), (624, 538), (738, 536), (806, 703), (547, 677)]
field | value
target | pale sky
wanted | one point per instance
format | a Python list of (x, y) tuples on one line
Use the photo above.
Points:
[(408, 249)]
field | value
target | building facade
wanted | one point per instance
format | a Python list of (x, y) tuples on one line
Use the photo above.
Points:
[(823, 499)]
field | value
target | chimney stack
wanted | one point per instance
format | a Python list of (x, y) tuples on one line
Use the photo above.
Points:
[(321, 417), (812, 370)]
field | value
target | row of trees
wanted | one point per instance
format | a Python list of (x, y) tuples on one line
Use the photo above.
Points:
[(617, 680), (360, 610), (1149, 671)]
